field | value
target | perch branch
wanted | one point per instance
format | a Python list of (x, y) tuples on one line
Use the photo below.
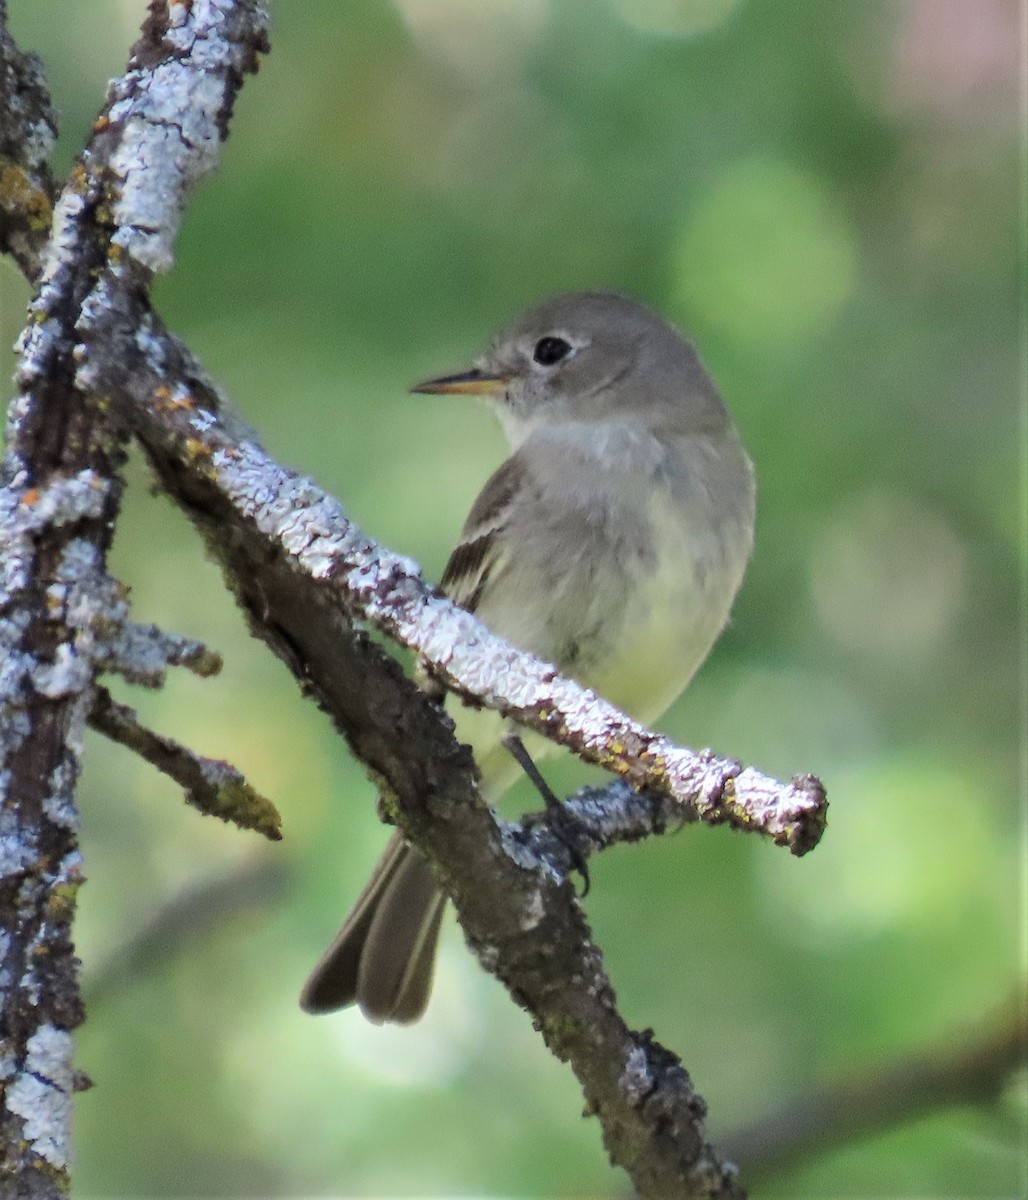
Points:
[(175, 413), (592, 820)]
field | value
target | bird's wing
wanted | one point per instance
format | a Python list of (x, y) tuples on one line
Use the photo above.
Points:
[(479, 553)]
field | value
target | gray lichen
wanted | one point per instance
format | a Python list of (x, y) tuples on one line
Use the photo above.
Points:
[(41, 1093)]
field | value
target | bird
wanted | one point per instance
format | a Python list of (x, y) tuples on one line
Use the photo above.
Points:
[(611, 543)]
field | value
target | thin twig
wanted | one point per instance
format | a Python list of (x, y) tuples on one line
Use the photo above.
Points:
[(211, 785), (958, 1071), (196, 912)]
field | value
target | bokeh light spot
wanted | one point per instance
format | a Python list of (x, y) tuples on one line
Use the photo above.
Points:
[(674, 18), (478, 39), (507, 159), (785, 718), (906, 846), (889, 576), (438, 1048), (765, 258)]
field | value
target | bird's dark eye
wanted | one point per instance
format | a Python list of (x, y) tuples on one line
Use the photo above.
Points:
[(550, 350)]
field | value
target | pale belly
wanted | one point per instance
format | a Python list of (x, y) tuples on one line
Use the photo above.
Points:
[(669, 628), (666, 630)]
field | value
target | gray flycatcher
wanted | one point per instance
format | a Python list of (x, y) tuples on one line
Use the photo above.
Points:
[(611, 543)]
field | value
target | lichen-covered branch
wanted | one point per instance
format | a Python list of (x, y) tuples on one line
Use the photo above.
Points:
[(594, 819), (28, 129), (62, 620), (211, 785)]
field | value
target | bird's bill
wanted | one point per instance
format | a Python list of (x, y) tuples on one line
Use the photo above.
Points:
[(464, 383)]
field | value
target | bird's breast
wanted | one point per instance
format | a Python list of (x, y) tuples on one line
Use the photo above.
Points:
[(678, 596)]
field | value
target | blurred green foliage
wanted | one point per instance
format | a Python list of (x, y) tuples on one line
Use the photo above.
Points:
[(827, 196)]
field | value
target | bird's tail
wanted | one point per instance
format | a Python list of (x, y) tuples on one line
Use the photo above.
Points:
[(383, 957)]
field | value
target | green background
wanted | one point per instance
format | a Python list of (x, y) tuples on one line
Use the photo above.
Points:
[(826, 196)]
